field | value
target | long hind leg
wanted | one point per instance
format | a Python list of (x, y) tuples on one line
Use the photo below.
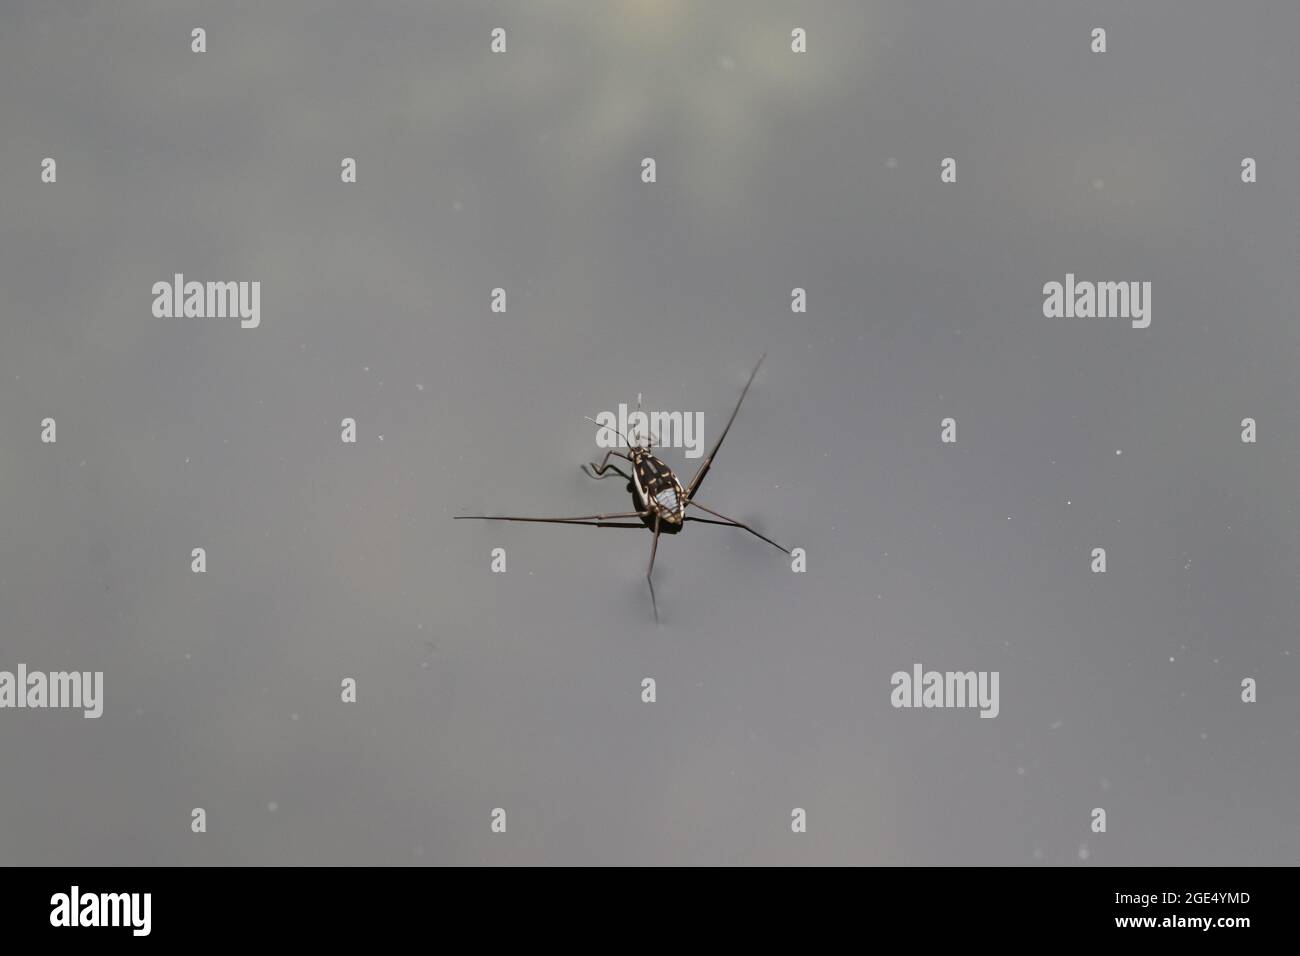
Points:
[(733, 523), (650, 569)]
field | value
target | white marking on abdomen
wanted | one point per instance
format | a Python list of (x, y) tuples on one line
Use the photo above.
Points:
[(667, 499)]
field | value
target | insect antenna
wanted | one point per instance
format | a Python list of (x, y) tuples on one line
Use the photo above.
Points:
[(611, 428), (652, 437)]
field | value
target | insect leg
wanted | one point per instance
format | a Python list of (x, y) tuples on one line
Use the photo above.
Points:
[(594, 470), (650, 570), (703, 470), (591, 521), (732, 523)]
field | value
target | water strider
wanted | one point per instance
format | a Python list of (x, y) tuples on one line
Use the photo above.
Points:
[(659, 499)]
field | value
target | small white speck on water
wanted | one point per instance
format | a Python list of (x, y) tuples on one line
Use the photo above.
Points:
[(273, 806), (1083, 851), (891, 162), (1119, 451), (293, 716), (1205, 736), (1020, 771), (1171, 659), (1057, 725), (419, 387), (365, 368)]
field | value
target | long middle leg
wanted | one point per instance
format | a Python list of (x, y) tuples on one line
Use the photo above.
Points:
[(590, 521)]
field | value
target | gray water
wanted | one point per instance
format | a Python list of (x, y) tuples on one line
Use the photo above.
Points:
[(478, 690)]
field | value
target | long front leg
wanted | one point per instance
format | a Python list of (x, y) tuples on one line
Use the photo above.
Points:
[(594, 470), (731, 522), (650, 570)]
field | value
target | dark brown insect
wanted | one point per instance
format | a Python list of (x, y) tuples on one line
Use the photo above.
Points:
[(659, 499)]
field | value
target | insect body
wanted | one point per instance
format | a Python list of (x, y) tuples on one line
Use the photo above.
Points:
[(655, 488), (659, 499)]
